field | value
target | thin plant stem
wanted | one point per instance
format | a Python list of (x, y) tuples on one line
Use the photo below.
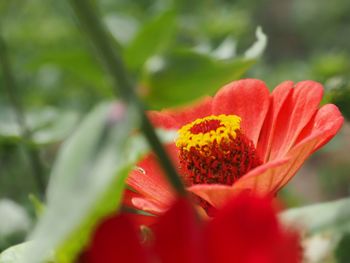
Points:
[(123, 86), (11, 90)]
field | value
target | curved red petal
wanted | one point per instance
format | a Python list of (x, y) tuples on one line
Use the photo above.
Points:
[(215, 194), (149, 180), (162, 120), (260, 181), (295, 114), (149, 205), (278, 98), (128, 195), (327, 119), (263, 179), (272, 176), (247, 98), (176, 118), (298, 155)]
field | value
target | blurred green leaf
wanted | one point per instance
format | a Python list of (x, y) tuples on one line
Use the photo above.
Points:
[(342, 252), (47, 125), (86, 182), (39, 207), (185, 75), (257, 49), (14, 254), (339, 94), (314, 218), (153, 36), (14, 223)]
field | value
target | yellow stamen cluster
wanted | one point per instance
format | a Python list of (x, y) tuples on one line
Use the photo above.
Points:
[(229, 124)]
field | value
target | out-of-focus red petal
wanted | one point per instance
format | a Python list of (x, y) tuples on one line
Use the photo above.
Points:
[(278, 97), (247, 98), (148, 178), (294, 115), (328, 119), (246, 230), (177, 235), (116, 240), (176, 118), (140, 219), (150, 205)]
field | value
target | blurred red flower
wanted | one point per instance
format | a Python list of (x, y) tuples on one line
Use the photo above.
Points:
[(246, 230), (243, 138)]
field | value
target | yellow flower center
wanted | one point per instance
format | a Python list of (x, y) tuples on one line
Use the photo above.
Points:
[(214, 150), (205, 131)]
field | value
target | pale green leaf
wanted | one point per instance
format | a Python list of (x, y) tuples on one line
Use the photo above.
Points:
[(258, 47), (313, 218), (90, 168)]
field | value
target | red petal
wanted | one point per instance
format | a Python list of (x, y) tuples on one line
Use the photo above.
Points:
[(294, 115), (328, 119), (162, 120), (249, 99), (151, 206), (128, 195), (176, 118), (140, 219), (215, 194), (263, 179), (272, 176), (278, 97), (148, 179), (116, 240), (177, 235), (246, 230)]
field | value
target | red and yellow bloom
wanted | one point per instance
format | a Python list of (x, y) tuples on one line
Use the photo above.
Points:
[(243, 138)]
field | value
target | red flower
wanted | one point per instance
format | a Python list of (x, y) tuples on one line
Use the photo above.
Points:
[(244, 138), (246, 230)]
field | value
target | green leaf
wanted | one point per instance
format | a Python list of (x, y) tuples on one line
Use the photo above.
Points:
[(314, 218), (12, 254), (86, 183), (342, 251), (258, 47), (151, 38), (38, 206), (47, 125), (185, 75), (15, 254)]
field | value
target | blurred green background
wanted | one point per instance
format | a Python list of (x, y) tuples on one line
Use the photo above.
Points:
[(177, 51)]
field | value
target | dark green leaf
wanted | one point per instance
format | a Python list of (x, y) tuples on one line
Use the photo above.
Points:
[(185, 75), (342, 252)]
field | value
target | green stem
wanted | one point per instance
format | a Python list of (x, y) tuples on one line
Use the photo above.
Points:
[(122, 83), (11, 90)]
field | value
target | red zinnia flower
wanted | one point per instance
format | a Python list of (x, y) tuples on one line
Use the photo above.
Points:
[(244, 138), (246, 230)]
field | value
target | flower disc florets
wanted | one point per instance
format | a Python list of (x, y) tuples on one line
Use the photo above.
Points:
[(214, 150)]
